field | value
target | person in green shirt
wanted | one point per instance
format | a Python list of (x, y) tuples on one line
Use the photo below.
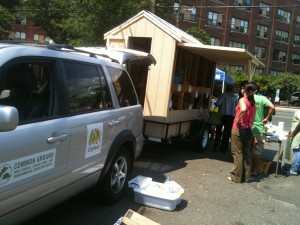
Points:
[(259, 127)]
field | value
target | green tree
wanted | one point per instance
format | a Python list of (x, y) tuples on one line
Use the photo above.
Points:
[(81, 22), (7, 10), (286, 82), (199, 34)]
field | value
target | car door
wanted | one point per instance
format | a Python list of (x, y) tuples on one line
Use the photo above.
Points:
[(33, 157), (93, 120)]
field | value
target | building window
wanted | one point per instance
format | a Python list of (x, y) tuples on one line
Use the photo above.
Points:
[(260, 52), (239, 25), (36, 37), (275, 72), (264, 9), (215, 41), (296, 58), (39, 38), (297, 39), (279, 56), (236, 68), (282, 36), (243, 4), (186, 12), (20, 35), (237, 44), (47, 39), (259, 71), (214, 19), (298, 21), (21, 20), (283, 16), (262, 31), (239, 68)]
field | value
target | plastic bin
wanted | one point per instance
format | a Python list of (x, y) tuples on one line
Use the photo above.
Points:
[(156, 195)]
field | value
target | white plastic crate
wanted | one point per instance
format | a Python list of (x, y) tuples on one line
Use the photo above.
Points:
[(156, 195)]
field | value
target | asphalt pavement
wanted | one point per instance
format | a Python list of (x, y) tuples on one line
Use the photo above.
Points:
[(208, 199)]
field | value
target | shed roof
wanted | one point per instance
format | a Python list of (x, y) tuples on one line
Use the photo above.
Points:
[(219, 54), (170, 29)]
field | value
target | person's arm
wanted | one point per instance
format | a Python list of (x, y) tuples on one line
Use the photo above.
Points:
[(270, 113), (219, 101), (294, 132), (243, 107)]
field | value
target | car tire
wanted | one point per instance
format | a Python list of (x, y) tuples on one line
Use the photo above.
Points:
[(202, 140), (115, 181)]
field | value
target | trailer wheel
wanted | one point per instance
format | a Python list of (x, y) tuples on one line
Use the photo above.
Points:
[(203, 139)]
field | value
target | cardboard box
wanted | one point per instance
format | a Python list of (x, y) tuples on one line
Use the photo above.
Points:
[(264, 166), (133, 218)]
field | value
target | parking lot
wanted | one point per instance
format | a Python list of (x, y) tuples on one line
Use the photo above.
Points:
[(209, 197)]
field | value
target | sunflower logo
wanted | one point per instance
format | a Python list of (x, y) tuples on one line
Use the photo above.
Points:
[(5, 173), (95, 136)]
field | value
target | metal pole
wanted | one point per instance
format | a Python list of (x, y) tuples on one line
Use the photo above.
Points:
[(152, 6), (177, 14)]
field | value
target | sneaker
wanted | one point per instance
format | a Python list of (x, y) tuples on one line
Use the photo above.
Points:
[(293, 173)]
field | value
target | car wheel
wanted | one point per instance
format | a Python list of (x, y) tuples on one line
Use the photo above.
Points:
[(115, 181)]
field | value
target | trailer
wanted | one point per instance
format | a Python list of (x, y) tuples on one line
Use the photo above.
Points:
[(175, 92)]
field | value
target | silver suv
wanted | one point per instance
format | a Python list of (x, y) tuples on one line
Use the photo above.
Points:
[(68, 122)]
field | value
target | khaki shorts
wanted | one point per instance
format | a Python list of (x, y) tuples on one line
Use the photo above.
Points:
[(260, 146)]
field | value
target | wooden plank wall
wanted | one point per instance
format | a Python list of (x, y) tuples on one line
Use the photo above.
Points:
[(160, 75)]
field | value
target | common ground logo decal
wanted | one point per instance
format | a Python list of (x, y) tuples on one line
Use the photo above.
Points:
[(5, 173), (94, 139), (27, 166)]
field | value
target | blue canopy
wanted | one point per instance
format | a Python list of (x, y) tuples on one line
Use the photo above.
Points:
[(221, 76)]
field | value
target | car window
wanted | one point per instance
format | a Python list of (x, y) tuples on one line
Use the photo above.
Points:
[(27, 87), (123, 87), (87, 88)]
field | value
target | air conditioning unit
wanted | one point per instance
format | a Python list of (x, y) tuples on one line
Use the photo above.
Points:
[(237, 28), (219, 24)]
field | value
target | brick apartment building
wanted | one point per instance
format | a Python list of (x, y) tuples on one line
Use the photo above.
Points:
[(269, 29), (25, 30)]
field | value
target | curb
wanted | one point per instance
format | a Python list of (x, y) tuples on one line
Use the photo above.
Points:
[(286, 109)]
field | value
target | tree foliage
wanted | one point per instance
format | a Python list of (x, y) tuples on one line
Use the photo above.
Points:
[(199, 34), (81, 22), (286, 82), (7, 10)]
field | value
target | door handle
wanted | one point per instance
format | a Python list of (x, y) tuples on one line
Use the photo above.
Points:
[(113, 123), (60, 137)]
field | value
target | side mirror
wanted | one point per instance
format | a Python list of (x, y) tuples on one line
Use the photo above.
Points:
[(9, 118)]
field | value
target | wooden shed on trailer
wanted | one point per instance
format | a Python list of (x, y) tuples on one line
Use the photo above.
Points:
[(170, 105)]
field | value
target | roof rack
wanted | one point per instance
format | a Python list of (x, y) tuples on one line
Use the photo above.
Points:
[(58, 47), (20, 42), (70, 48)]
